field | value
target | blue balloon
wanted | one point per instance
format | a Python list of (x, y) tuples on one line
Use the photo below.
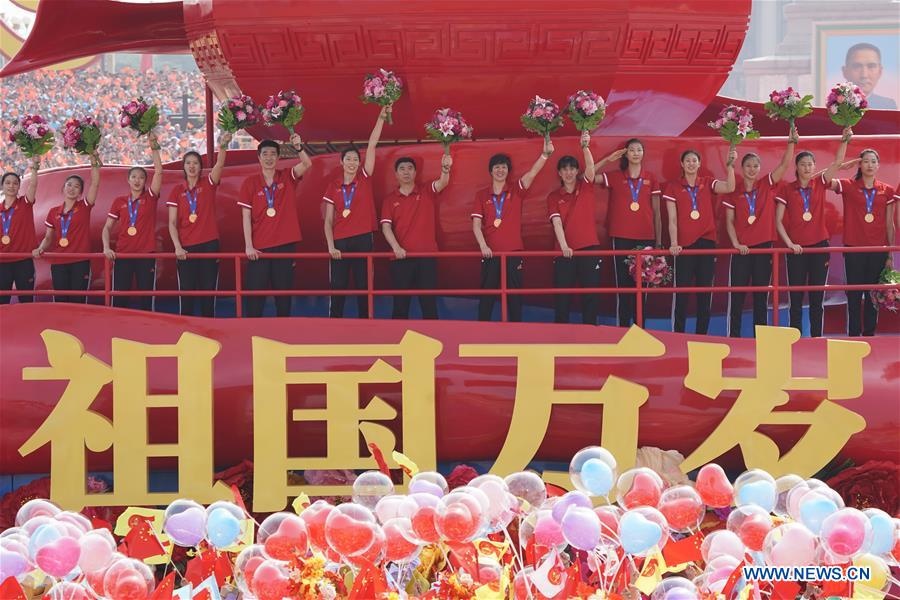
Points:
[(596, 476), (222, 528), (637, 533), (760, 493), (882, 533), (814, 511)]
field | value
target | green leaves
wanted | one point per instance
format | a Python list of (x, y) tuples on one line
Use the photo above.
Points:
[(90, 139), (293, 116), (226, 120), (32, 147), (149, 120)]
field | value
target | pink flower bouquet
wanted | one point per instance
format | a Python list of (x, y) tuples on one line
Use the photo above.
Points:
[(32, 135), (787, 105), (139, 115), (846, 104), (237, 113), (655, 271), (284, 108), (448, 126), (542, 117), (586, 110), (887, 299), (81, 135), (383, 88), (735, 124)]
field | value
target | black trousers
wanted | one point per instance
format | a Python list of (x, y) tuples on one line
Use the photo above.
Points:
[(585, 270), (808, 269), (71, 276), (199, 274), (490, 279), (343, 268), (19, 272), (862, 267), (752, 269), (141, 272), (414, 274), (270, 274), (626, 302), (694, 271)]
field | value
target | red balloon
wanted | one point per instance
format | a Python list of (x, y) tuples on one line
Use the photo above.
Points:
[(129, 586), (457, 524), (423, 524), (753, 531), (682, 513), (644, 491), (270, 582), (250, 568), (609, 524), (349, 536), (713, 486), (373, 555), (396, 546), (315, 517), (289, 540)]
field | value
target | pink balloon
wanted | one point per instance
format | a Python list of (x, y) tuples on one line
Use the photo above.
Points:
[(846, 533), (58, 557), (97, 547), (547, 532)]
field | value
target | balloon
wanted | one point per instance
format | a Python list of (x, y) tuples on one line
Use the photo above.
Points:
[(423, 524), (883, 531), (67, 590), (547, 531), (721, 543), (185, 522), (97, 548), (713, 486), (783, 486), (245, 565), (581, 528), (459, 516), (846, 533), (270, 581), (639, 487), (878, 573), (400, 543), (315, 516), (36, 508), (283, 536), (94, 579), (527, 486), (755, 487), (224, 524), (609, 523), (46, 534), (752, 524), (641, 529), (593, 471), (675, 588), (788, 545), (814, 508), (570, 499), (128, 579), (500, 503), (682, 507), (13, 559), (428, 482), (349, 529), (393, 506), (78, 520), (370, 487), (375, 553)]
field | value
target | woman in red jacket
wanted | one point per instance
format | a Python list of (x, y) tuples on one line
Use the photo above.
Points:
[(17, 233)]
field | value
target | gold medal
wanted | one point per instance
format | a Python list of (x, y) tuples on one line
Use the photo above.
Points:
[(635, 207), (270, 212), (498, 222), (869, 218), (192, 217), (807, 216), (751, 219), (345, 213), (132, 230), (695, 214), (63, 242), (5, 239)]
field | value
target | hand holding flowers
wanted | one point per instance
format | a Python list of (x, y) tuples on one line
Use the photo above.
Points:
[(139, 115), (448, 126), (542, 117), (31, 133), (238, 113), (383, 88), (285, 108), (81, 135), (586, 110), (846, 104)]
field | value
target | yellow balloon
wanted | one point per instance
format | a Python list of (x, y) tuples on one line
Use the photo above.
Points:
[(878, 571)]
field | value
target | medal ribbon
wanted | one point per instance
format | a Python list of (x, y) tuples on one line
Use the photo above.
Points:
[(870, 199), (64, 221), (498, 205), (348, 198), (6, 218), (193, 197), (132, 211), (635, 190), (751, 201), (693, 190), (269, 191), (805, 194)]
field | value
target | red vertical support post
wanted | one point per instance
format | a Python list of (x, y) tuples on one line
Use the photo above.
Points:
[(370, 285), (504, 303), (238, 285), (210, 129), (638, 287), (107, 281), (776, 300)]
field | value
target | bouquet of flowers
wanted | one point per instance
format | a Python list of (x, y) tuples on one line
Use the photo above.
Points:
[(542, 116), (448, 126), (284, 108), (889, 299), (383, 88), (139, 115), (655, 271), (237, 113), (81, 135), (846, 104), (787, 105), (31, 133), (586, 109), (735, 124)]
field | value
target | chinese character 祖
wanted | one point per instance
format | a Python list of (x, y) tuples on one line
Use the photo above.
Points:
[(343, 417), (72, 428), (830, 424)]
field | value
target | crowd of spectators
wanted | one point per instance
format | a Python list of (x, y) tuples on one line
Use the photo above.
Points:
[(59, 95)]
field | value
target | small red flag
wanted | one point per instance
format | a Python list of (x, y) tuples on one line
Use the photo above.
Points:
[(165, 588)]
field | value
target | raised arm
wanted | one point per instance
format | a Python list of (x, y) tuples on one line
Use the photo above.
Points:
[(727, 186), (304, 162), (835, 165), (785, 163), (615, 156), (528, 177), (216, 174), (589, 170), (31, 190), (444, 180), (156, 182), (96, 165), (369, 165)]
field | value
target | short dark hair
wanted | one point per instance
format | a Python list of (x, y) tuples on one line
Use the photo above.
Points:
[(861, 156), (268, 144), (10, 174), (499, 159), (623, 161), (76, 178), (347, 151), (749, 156), (404, 160), (861, 46), (141, 169), (567, 161)]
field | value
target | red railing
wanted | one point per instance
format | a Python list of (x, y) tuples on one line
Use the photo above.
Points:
[(775, 288)]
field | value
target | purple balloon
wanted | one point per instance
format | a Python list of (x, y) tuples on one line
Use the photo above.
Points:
[(186, 528), (568, 501), (581, 528), (422, 486), (680, 594), (12, 564)]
